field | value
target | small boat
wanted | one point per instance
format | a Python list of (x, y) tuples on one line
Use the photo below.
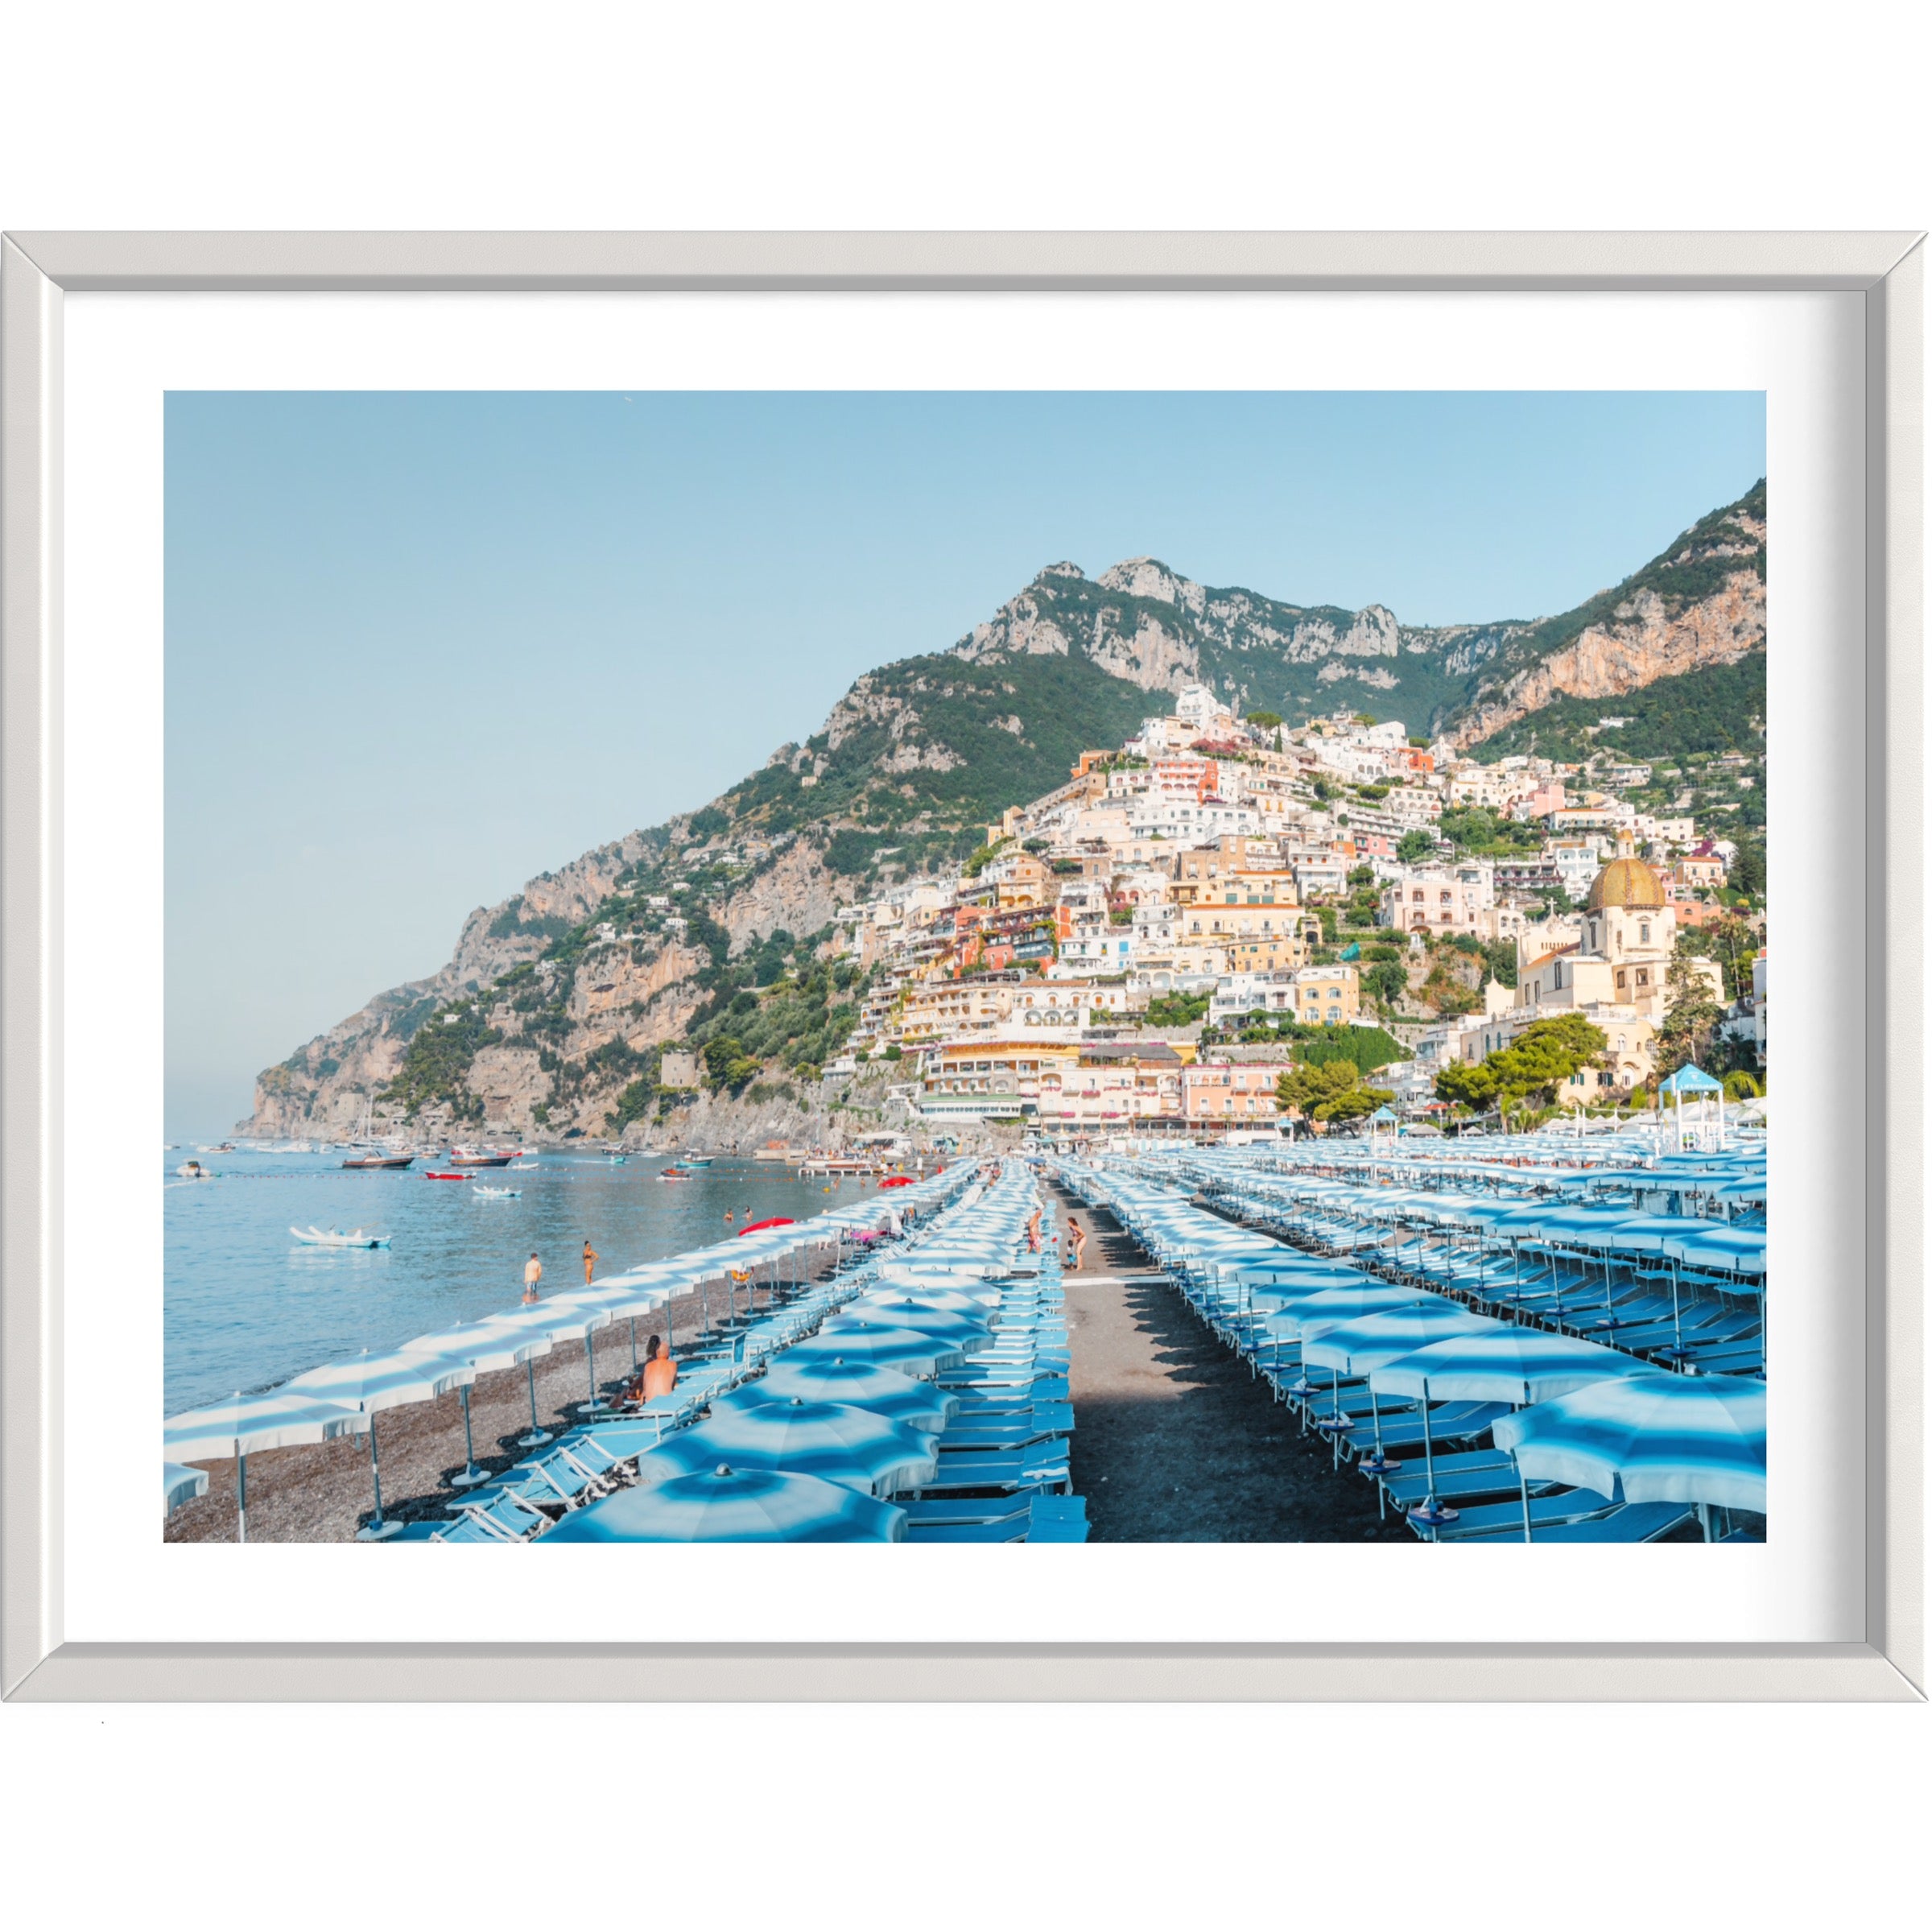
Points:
[(193, 1169), (615, 1159), (369, 1162), (676, 1172), (446, 1175), (470, 1155), (698, 1158), (496, 1193), (314, 1236)]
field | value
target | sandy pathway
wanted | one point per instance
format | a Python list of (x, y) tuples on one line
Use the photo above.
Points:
[(1173, 1440)]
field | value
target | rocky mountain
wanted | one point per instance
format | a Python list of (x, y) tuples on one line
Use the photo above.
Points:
[(1699, 605), (554, 1010)]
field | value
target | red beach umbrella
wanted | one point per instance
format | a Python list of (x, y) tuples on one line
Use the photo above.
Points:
[(759, 1225), (900, 1181)]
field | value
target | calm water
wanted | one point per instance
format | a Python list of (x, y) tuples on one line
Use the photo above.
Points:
[(246, 1306)]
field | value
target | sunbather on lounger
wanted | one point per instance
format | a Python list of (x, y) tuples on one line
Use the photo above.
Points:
[(660, 1373)]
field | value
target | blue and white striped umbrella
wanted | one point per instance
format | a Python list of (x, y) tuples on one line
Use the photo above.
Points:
[(179, 1484), (251, 1424), (954, 1330), (855, 1384), (826, 1438), (1693, 1438), (1355, 1346), (1507, 1363), (921, 1355), (490, 1348), (374, 1381), (1337, 1304), (725, 1503), (1731, 1249), (930, 1299)]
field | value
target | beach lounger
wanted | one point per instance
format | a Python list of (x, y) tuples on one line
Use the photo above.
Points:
[(498, 1513), (1490, 1475), (1043, 1387), (1498, 1518), (954, 1511), (1058, 1518), (1636, 1522), (1007, 1527), (1452, 1422), (1044, 1465), (968, 1434)]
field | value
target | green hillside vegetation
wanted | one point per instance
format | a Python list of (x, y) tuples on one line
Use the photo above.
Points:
[(1066, 705), (436, 1066), (1720, 707)]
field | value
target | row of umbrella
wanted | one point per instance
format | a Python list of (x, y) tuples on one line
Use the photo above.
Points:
[(1585, 1415), (345, 1397), (841, 1421)]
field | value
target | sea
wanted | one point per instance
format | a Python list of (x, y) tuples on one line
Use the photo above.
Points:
[(247, 1305)]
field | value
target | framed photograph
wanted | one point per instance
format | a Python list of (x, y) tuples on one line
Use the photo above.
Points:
[(785, 906)]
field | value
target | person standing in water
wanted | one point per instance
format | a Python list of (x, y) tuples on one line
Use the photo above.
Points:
[(590, 1257), (533, 1271)]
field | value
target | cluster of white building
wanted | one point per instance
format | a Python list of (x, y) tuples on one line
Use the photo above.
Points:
[(1191, 863)]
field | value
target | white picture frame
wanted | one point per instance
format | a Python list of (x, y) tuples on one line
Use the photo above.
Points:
[(38, 269)]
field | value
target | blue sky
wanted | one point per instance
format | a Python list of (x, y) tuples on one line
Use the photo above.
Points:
[(420, 646)]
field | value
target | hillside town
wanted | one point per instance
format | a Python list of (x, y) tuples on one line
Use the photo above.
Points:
[(1222, 927)]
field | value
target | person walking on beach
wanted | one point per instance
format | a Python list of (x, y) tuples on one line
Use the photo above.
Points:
[(533, 1272), (1077, 1234), (590, 1257)]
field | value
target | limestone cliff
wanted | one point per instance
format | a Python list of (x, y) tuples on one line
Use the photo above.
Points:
[(1701, 603)]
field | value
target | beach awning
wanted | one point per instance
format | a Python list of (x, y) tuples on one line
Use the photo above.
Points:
[(1689, 1079)]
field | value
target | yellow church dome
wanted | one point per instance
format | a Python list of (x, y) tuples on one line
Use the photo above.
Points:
[(1627, 883)]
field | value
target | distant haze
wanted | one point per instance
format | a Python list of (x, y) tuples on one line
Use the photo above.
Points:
[(422, 647)]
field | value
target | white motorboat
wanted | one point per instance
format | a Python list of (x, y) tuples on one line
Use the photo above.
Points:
[(497, 1193), (314, 1236)]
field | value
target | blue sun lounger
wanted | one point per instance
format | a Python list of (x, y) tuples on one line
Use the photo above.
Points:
[(1635, 1522), (1500, 1517), (1044, 1465)]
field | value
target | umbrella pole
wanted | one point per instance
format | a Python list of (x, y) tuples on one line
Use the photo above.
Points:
[(633, 1343), (1677, 1320), (536, 1437), (594, 1405), (1523, 1483), (472, 1474), (240, 1498), (378, 1529)]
